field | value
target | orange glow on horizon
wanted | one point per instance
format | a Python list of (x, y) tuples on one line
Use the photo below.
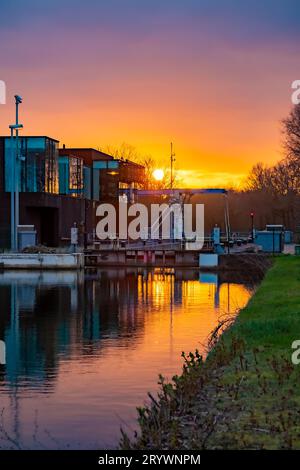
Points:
[(215, 145), (221, 106)]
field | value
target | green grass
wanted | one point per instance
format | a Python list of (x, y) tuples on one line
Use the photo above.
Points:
[(272, 317), (246, 395)]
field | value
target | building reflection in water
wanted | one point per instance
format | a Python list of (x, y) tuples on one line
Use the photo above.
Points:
[(58, 325)]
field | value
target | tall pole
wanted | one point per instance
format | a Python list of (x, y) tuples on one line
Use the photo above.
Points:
[(12, 191), (14, 201), (252, 226), (227, 223), (172, 160), (17, 175)]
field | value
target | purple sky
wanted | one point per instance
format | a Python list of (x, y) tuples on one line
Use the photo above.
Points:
[(213, 76)]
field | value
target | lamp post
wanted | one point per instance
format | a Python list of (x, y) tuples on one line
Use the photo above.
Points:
[(12, 191), (252, 225), (18, 100), (15, 170)]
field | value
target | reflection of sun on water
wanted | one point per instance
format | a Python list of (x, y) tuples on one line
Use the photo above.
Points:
[(185, 309), (162, 289), (145, 322)]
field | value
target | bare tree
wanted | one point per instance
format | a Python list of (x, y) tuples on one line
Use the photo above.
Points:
[(259, 178), (278, 186), (291, 132), (129, 152), (123, 152)]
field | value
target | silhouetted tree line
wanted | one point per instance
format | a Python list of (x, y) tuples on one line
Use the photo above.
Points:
[(273, 192)]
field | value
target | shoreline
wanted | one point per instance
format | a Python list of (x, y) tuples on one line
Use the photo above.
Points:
[(247, 262), (245, 395)]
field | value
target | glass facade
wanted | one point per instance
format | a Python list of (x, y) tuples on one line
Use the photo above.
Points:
[(71, 179), (87, 178), (38, 165), (43, 170), (106, 179), (106, 164), (111, 175)]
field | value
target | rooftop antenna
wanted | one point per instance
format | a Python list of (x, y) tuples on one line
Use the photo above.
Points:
[(172, 160)]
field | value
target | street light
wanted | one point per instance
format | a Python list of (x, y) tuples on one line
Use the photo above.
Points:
[(252, 225), (14, 200), (18, 100)]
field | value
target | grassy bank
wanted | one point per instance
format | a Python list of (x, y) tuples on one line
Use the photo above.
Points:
[(246, 395)]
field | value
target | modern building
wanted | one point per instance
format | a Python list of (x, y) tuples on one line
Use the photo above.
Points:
[(71, 176), (38, 165), (60, 187), (103, 174)]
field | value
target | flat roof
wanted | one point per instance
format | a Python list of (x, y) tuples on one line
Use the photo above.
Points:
[(87, 150), (130, 162), (31, 137)]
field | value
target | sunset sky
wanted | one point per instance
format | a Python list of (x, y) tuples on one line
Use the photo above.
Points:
[(213, 76)]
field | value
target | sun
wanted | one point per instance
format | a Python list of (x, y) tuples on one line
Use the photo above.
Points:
[(158, 174)]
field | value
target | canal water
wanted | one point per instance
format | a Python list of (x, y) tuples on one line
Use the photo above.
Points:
[(83, 349)]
